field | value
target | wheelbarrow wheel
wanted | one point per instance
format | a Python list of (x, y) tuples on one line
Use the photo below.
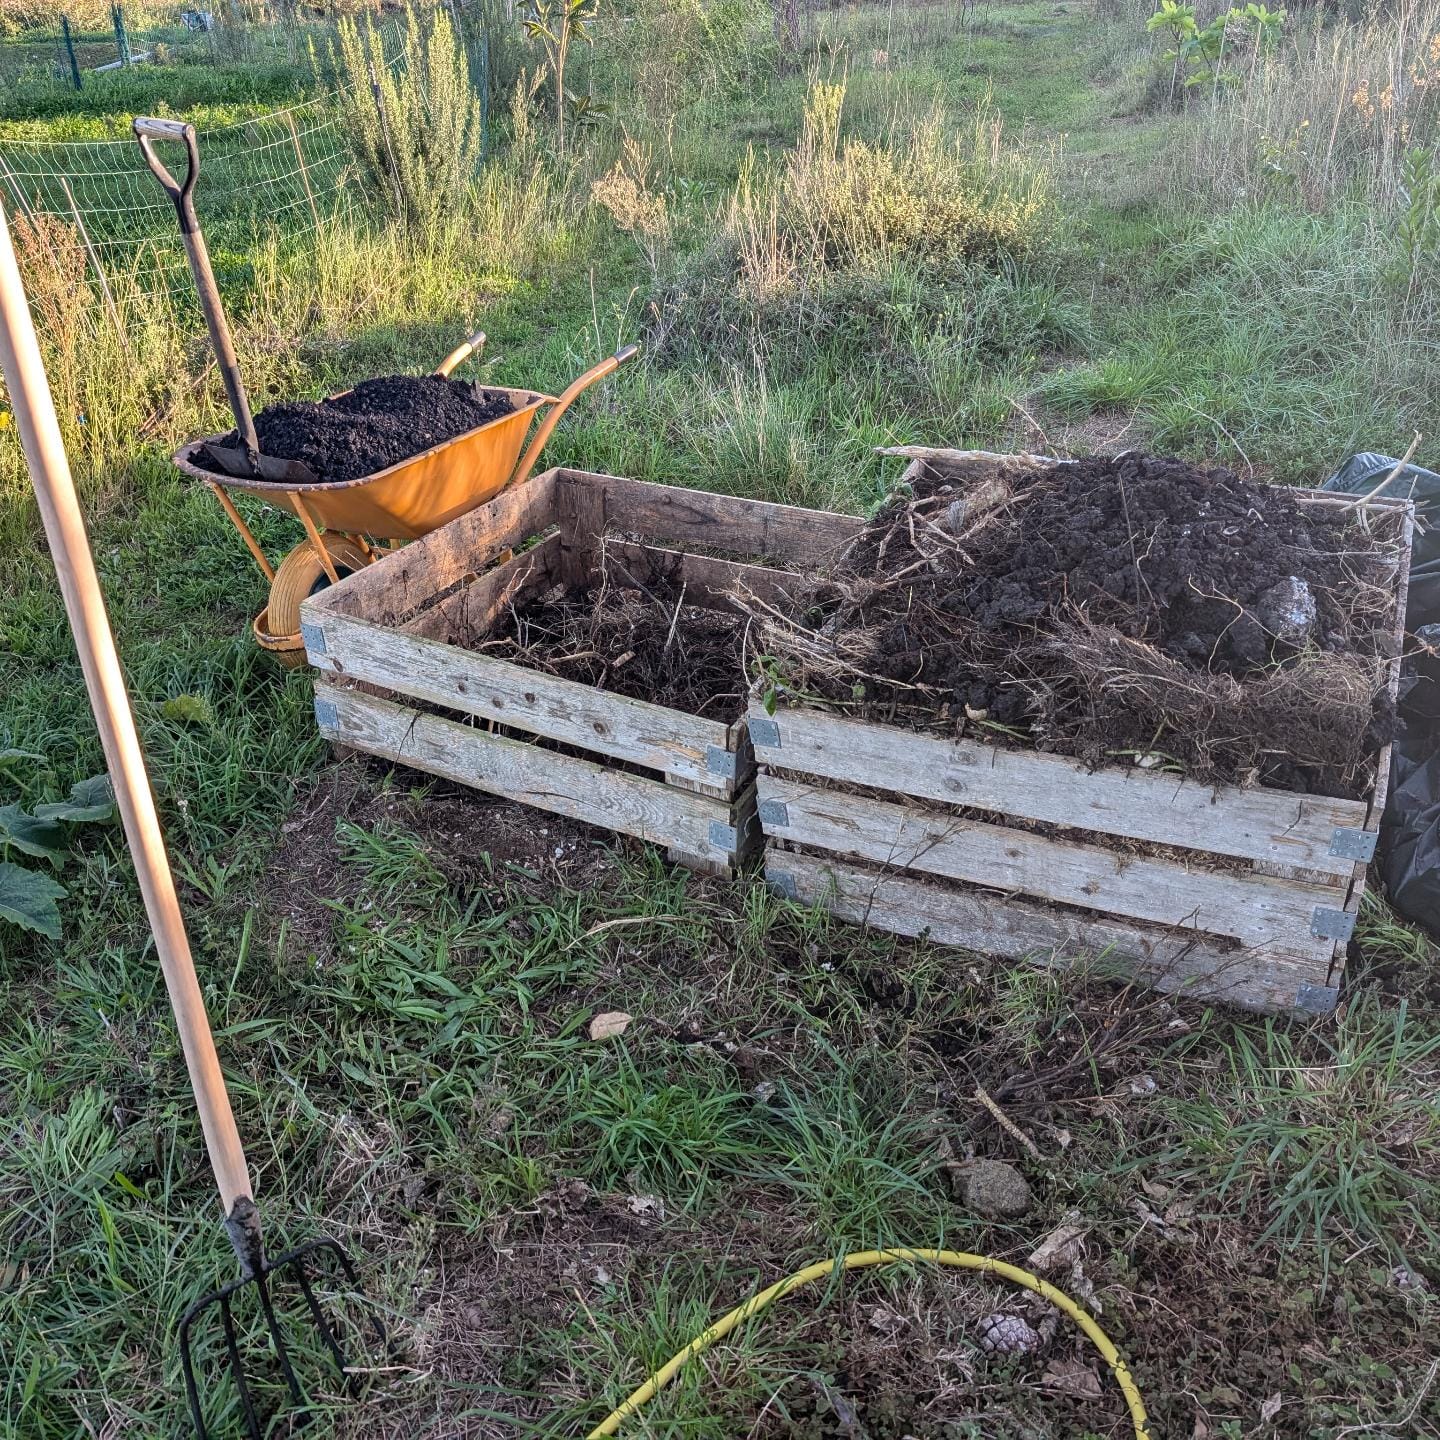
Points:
[(300, 574)]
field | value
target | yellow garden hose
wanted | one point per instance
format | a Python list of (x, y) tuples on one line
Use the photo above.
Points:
[(860, 1260)]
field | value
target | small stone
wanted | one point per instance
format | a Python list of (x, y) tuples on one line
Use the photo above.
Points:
[(1008, 1335), (993, 1188), (1288, 611)]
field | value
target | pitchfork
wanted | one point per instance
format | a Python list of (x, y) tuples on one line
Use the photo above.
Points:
[(34, 410)]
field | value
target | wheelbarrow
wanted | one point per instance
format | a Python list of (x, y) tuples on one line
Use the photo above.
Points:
[(344, 518)]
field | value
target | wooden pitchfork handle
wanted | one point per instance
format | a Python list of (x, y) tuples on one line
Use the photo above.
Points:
[(609, 364), (460, 353), (34, 409)]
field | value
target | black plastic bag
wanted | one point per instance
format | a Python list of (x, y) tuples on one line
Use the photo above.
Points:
[(1409, 855)]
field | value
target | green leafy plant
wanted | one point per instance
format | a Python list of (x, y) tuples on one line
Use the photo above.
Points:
[(29, 896), (1418, 226), (557, 24), (1198, 54)]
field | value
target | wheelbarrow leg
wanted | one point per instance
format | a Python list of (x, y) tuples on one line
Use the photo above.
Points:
[(228, 505), (313, 531)]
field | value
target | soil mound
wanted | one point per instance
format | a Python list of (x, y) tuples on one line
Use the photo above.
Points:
[(377, 424), (1127, 607)]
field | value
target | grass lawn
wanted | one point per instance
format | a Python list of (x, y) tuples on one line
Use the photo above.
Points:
[(402, 974)]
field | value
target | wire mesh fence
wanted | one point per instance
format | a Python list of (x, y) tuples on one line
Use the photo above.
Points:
[(286, 169)]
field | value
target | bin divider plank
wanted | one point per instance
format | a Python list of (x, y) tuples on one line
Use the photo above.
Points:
[(1196, 966), (1252, 909), (1288, 829), (708, 581), (520, 770), (473, 608), (680, 516)]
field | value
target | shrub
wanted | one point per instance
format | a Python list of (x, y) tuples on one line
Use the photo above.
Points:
[(417, 136)]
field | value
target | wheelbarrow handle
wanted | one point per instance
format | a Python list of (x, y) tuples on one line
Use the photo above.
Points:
[(148, 129), (607, 366), (461, 353)]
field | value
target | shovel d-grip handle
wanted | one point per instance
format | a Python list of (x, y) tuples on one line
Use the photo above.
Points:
[(148, 129)]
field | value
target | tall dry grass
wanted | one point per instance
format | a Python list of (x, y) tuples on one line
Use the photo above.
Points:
[(935, 190), (1329, 117)]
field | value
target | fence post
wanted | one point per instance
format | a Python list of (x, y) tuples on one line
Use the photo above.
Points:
[(122, 41), (385, 138), (70, 52), (304, 173), (484, 95)]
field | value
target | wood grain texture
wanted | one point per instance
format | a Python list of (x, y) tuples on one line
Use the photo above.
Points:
[(470, 611), (577, 788), (1015, 929), (615, 726), (1270, 825), (1255, 910), (392, 589), (723, 522), (708, 581)]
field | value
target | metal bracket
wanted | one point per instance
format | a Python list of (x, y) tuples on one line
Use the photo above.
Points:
[(723, 837), (720, 762), (782, 884), (1316, 999), (1328, 923), (327, 717), (764, 732), (313, 637), (1351, 843), (773, 812)]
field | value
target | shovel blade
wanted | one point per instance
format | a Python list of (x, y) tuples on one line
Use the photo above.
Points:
[(234, 461)]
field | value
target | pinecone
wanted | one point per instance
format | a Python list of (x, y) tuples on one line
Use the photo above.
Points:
[(1008, 1335)]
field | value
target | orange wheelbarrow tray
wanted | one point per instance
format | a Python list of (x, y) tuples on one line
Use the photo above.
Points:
[(402, 502)]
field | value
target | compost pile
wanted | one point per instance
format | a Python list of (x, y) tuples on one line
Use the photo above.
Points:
[(1115, 608), (377, 424), (643, 642)]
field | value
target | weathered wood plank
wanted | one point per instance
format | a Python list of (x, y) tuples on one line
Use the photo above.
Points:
[(708, 581), (393, 588), (660, 739), (723, 522), (1252, 909), (472, 609), (562, 784), (995, 925), (1247, 824)]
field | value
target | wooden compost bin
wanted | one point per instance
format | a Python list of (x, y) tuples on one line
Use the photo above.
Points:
[(393, 682), (1022, 854)]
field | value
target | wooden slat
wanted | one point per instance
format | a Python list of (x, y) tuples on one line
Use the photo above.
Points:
[(392, 589), (660, 739), (562, 784), (1252, 909), (1256, 824), (994, 925), (470, 612), (708, 581), (724, 522)]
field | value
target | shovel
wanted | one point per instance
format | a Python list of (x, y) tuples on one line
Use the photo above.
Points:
[(245, 462), (284, 1287)]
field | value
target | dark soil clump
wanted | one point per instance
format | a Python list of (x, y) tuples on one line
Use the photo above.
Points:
[(375, 425), (647, 644), (1131, 607)]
